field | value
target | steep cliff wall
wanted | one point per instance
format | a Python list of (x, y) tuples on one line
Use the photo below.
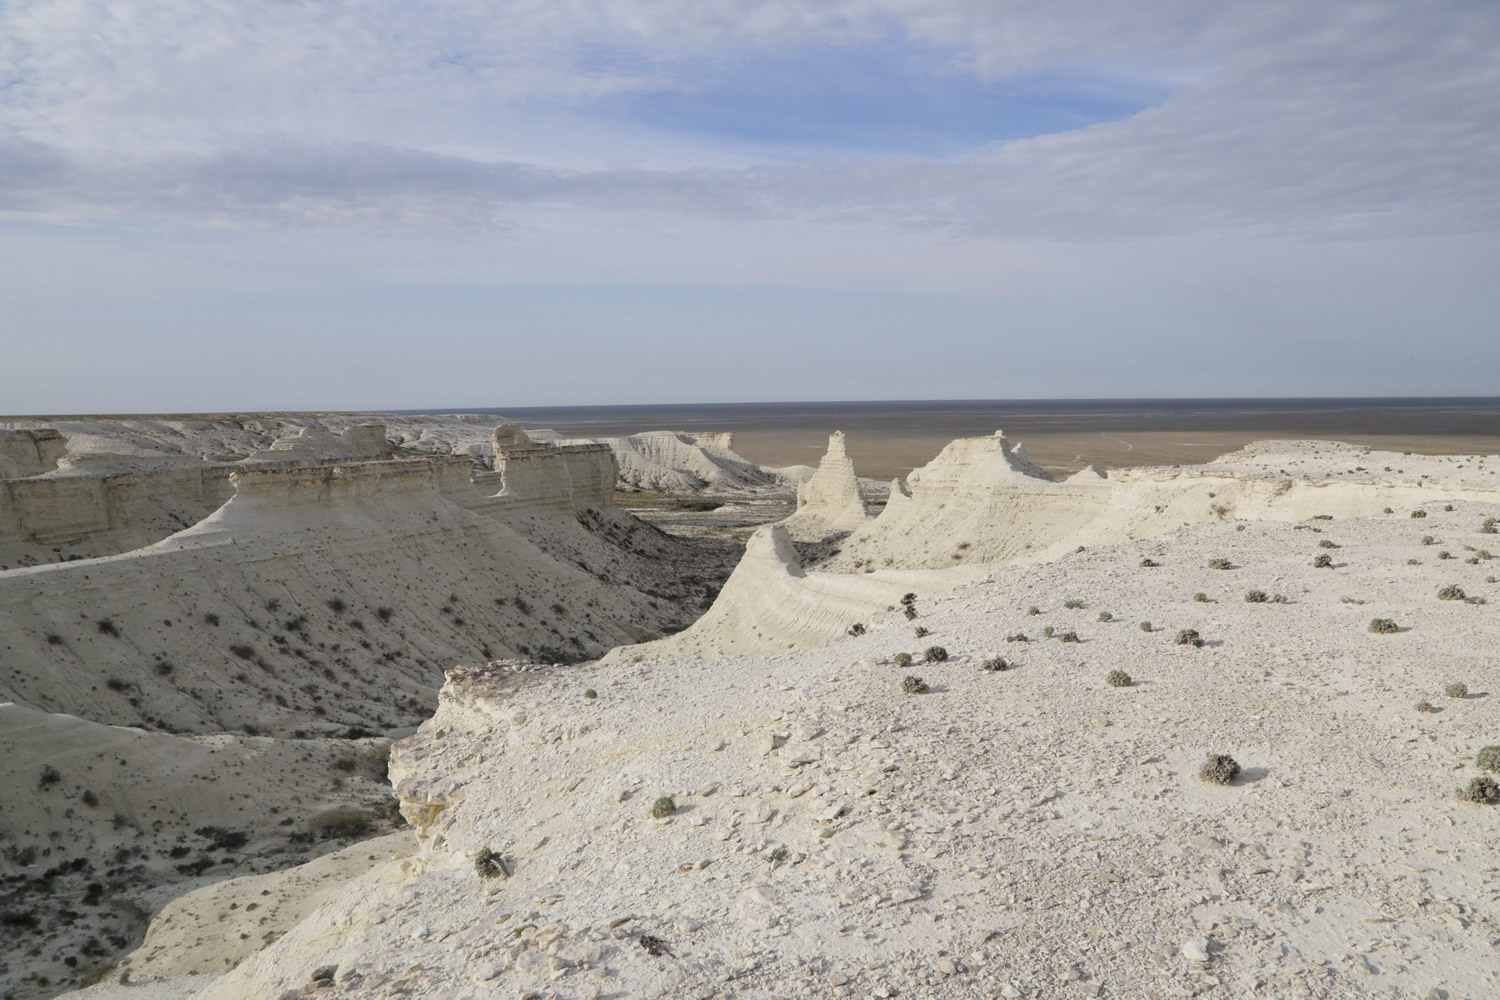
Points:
[(315, 598), (30, 452)]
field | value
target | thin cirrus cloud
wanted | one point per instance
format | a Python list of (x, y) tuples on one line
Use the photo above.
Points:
[(1017, 120)]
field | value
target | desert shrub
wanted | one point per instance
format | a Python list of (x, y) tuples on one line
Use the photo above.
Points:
[(336, 605), (344, 826), (1419, 513), (1485, 791), (1201, 597), (857, 629), (1323, 561), (1458, 689), (1488, 527), (1117, 679), (1426, 706), (1017, 637), (50, 776), (1328, 543), (1488, 758), (1451, 593), (488, 865), (912, 684), (1189, 637), (1149, 563), (1145, 626), (995, 664), (902, 659), (1387, 510), (934, 654), (1445, 554), (211, 618), (384, 614), (590, 693), (106, 626), (220, 839), (663, 807), (1105, 616), (1475, 600), (1072, 602), (1220, 564), (89, 799), (54, 640), (1383, 626), (1033, 610), (1429, 540), (116, 685), (1069, 637), (909, 612), (243, 652), (1256, 597), (1448, 506), (1219, 769), (1048, 631), (907, 600), (920, 632)]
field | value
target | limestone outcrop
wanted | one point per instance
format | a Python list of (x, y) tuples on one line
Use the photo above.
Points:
[(831, 501), (679, 462), (770, 604), (322, 596)]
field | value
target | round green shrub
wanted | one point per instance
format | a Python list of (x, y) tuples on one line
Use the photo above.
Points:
[(934, 654), (1117, 679), (663, 807), (902, 659), (1488, 758)]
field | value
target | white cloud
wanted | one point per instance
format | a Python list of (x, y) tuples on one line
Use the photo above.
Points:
[(1340, 118)]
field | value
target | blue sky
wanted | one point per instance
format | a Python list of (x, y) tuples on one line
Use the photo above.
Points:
[(277, 204), (888, 97)]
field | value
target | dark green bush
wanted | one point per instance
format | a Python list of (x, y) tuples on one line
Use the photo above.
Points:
[(1324, 561), (1451, 593), (913, 684), (934, 654), (663, 807), (995, 664), (1189, 637), (902, 659), (1256, 597)]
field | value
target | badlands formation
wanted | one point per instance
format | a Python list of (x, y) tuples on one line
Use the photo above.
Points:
[(950, 749)]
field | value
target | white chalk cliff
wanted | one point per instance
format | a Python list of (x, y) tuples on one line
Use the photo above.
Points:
[(831, 501)]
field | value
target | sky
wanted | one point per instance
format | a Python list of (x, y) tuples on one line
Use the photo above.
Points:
[(395, 204)]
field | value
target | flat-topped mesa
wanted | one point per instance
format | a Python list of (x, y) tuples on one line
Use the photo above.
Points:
[(30, 452), (365, 442), (832, 501), (547, 477), (339, 482)]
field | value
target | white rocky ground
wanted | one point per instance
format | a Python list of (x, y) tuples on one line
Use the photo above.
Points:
[(1027, 832)]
